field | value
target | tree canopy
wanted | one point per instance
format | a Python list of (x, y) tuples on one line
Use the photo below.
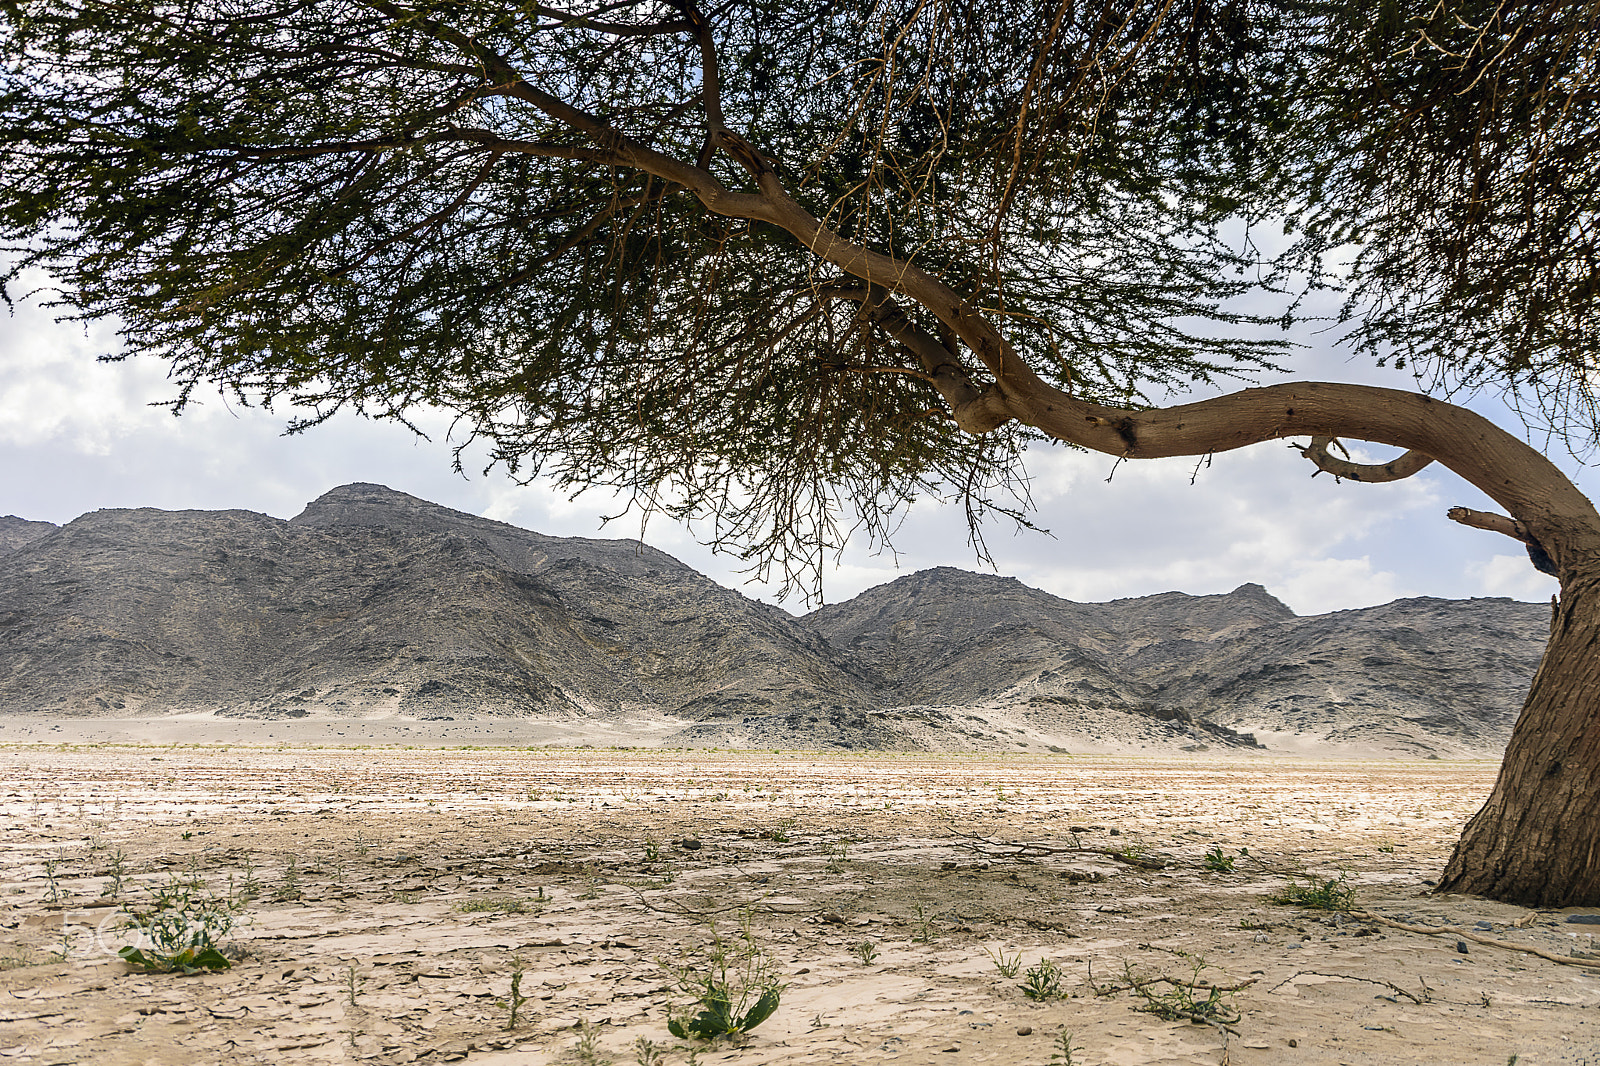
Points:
[(764, 260)]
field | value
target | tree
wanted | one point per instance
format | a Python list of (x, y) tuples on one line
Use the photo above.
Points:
[(791, 265)]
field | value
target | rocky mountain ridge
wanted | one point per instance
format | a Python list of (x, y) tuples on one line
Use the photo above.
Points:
[(372, 602)]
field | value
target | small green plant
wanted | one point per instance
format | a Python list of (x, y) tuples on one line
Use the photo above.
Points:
[(116, 872), (588, 1049), (1065, 1050), (866, 951), (353, 982), (500, 905), (1219, 861), (652, 850), (182, 924), (249, 888), (1334, 894), (1008, 966), (837, 853), (1387, 847), (733, 981), (56, 892), (289, 885), (188, 834), (645, 1053), (926, 932), (780, 832), (1042, 981), (1181, 1001), (1134, 852), (513, 1003)]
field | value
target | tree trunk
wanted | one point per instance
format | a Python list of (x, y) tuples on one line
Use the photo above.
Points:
[(1537, 840)]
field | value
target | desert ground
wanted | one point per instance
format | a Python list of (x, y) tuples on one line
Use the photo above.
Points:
[(386, 901)]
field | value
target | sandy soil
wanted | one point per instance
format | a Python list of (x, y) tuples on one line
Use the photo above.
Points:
[(388, 896)]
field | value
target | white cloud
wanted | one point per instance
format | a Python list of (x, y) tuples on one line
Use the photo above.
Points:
[(1511, 575), (1318, 586)]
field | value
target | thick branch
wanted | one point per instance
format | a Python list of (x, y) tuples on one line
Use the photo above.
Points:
[(1494, 523), (1499, 523), (975, 409), (1372, 473), (710, 85)]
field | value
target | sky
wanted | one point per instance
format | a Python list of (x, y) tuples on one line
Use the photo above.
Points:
[(77, 435)]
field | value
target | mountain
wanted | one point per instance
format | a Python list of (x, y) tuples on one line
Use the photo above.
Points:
[(1422, 676), (375, 603), (15, 532), (372, 601)]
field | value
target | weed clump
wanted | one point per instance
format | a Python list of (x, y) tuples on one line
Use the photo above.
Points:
[(1182, 1000), (182, 926), (1042, 981), (733, 985), (1334, 894), (1218, 861)]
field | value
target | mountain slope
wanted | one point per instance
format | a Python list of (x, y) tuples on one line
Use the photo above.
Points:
[(374, 603)]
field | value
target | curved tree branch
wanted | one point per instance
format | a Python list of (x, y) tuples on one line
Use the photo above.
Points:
[(1371, 473), (1509, 471), (975, 409)]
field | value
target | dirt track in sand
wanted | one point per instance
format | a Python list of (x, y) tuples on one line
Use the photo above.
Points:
[(389, 895)]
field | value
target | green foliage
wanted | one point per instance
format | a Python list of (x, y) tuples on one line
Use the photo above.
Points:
[(498, 905), (183, 924), (356, 208), (1182, 1000), (1007, 966), (513, 1003), (587, 1050), (1333, 894), (866, 951), (1042, 981), (1064, 1050), (1219, 861), (382, 207), (733, 987)]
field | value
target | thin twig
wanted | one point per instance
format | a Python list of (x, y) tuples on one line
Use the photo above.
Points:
[(1477, 938), (1346, 977)]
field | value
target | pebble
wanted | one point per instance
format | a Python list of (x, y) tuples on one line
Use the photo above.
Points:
[(1024, 1030), (1584, 919), (1461, 946)]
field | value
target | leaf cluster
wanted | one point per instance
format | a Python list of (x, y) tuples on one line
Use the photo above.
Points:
[(183, 924), (732, 984)]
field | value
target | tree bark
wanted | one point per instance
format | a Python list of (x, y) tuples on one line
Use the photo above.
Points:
[(1537, 840)]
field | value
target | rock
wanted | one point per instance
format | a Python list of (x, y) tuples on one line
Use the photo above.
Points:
[(1461, 947), (1584, 919), (1024, 1030)]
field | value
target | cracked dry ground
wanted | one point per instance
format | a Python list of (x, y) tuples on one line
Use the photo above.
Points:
[(387, 897)]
